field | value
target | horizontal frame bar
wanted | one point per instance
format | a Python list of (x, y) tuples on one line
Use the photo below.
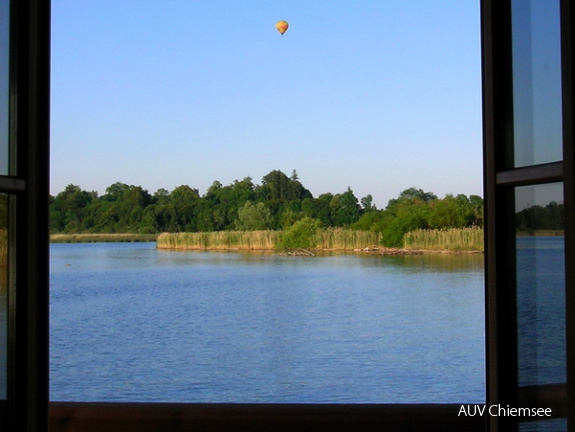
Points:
[(11, 184), (536, 174), (552, 396), (148, 417)]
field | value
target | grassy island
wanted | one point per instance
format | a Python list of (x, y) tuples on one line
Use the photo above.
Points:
[(454, 240), (329, 239)]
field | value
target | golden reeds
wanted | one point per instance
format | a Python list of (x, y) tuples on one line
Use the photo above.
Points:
[(453, 239), (330, 239), (219, 240), (102, 238), (345, 239)]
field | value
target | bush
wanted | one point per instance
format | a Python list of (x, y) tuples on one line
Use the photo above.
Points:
[(393, 234), (301, 235)]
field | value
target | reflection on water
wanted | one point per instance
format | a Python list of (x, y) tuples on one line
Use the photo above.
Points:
[(3, 329), (555, 425), (443, 262), (541, 310), (129, 322), (3, 295)]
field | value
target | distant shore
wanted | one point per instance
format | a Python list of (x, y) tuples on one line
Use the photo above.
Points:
[(264, 241), (253, 247)]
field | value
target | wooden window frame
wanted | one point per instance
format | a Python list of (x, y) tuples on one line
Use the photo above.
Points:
[(499, 184), (27, 185)]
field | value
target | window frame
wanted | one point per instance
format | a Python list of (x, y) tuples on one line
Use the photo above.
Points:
[(27, 185), (499, 184)]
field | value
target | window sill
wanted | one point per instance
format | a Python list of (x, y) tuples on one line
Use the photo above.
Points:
[(174, 417)]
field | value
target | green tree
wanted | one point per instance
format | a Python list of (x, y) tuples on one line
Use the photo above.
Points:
[(345, 208), (288, 217), (411, 195), (394, 232), (477, 205), (450, 212), (367, 204), (120, 209), (68, 209), (323, 209), (370, 221), (161, 196), (280, 192), (252, 217), (184, 201)]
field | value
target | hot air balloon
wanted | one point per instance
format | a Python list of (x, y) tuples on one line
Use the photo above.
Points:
[(282, 26)]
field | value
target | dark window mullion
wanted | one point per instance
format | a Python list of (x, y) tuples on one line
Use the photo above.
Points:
[(567, 20), (531, 175), (11, 184), (497, 131), (29, 135)]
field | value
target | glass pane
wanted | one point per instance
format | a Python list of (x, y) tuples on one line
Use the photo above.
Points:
[(4, 83), (3, 294), (536, 82), (540, 284)]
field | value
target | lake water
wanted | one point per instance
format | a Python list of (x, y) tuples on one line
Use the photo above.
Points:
[(131, 323)]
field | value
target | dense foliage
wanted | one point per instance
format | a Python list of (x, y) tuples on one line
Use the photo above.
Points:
[(537, 217), (277, 203)]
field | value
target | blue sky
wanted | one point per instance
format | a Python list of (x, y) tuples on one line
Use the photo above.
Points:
[(377, 95)]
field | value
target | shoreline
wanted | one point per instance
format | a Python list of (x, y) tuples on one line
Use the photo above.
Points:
[(372, 250), (103, 238), (152, 238)]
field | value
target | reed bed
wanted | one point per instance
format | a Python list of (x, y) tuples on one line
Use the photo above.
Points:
[(330, 239), (102, 238), (454, 239), (219, 240), (345, 239)]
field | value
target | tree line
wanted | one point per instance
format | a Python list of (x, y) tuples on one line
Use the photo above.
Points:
[(276, 204), (538, 217)]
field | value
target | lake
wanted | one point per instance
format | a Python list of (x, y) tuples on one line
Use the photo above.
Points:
[(132, 323)]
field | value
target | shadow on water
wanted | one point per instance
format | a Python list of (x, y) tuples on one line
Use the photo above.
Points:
[(443, 262), (3, 324)]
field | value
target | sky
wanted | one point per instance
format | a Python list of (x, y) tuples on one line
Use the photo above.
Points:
[(375, 95)]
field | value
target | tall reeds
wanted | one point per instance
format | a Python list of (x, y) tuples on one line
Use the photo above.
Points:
[(330, 239), (219, 240), (454, 239), (102, 238), (345, 239)]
